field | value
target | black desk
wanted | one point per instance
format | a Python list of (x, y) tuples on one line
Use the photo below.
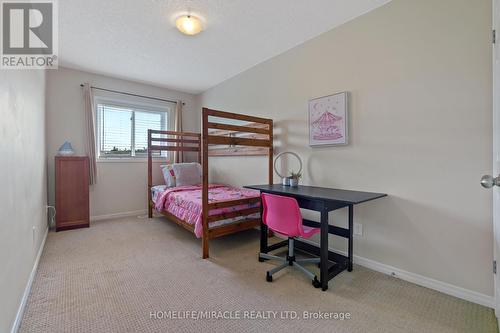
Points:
[(323, 200)]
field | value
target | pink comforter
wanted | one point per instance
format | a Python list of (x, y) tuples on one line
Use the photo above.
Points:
[(185, 202)]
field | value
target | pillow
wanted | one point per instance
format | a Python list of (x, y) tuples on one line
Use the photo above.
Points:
[(187, 174), (168, 175)]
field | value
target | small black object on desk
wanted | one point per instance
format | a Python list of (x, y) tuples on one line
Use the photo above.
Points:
[(323, 200)]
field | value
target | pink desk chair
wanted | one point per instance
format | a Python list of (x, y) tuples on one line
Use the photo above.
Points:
[(282, 215)]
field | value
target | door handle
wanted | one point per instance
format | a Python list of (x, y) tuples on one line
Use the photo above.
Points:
[(488, 181)]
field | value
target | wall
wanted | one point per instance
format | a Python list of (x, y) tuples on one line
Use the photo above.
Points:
[(23, 194), (419, 77), (121, 186)]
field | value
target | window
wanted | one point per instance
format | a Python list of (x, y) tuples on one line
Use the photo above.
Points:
[(123, 128)]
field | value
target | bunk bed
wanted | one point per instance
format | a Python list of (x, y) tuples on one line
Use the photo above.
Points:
[(218, 129)]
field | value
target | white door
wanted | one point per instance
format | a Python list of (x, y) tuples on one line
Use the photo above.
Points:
[(496, 148), (488, 181)]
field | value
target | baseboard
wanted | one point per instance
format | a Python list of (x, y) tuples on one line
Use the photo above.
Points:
[(446, 288), (118, 215), (24, 300)]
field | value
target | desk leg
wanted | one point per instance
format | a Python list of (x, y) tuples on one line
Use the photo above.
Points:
[(263, 237), (324, 250), (351, 229)]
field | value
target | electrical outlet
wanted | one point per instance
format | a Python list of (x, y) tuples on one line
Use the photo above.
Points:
[(358, 229)]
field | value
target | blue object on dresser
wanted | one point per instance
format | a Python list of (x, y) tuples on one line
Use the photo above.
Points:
[(66, 149)]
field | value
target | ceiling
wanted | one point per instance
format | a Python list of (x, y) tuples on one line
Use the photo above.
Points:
[(137, 40)]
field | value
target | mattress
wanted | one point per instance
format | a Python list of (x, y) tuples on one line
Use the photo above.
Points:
[(184, 202)]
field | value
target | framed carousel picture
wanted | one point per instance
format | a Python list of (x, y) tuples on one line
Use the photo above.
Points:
[(328, 123)]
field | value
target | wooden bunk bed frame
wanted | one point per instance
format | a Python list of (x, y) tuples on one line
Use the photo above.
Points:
[(180, 142)]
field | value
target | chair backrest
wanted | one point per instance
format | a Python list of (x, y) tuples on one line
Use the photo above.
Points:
[(282, 214)]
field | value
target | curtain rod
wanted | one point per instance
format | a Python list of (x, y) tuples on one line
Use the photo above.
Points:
[(135, 95)]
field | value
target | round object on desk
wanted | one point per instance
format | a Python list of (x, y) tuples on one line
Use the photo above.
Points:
[(287, 153)]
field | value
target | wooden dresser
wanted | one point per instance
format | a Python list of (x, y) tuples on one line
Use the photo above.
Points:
[(72, 192)]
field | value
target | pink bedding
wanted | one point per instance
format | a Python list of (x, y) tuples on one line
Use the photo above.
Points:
[(185, 203)]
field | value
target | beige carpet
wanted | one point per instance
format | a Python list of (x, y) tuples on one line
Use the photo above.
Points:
[(109, 278)]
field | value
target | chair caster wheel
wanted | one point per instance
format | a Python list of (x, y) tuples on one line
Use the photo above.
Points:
[(316, 283), (261, 259), (269, 277)]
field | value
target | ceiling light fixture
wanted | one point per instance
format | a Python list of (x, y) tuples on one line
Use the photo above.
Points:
[(189, 24)]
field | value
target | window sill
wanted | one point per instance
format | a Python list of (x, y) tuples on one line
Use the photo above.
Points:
[(130, 160)]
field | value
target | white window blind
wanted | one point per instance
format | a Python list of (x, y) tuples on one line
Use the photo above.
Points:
[(123, 129), (143, 122)]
